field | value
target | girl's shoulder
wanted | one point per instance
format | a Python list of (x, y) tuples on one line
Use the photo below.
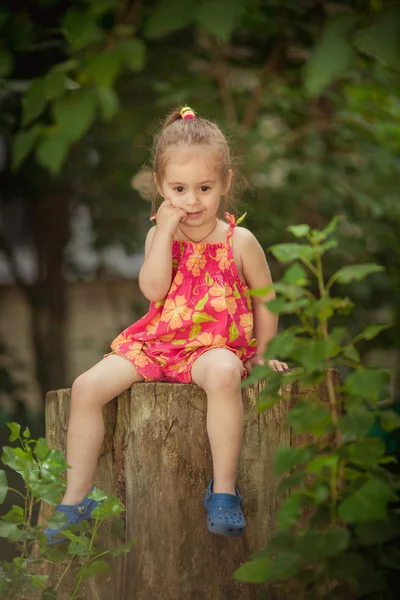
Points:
[(242, 235)]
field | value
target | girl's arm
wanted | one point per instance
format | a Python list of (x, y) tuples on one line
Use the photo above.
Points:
[(257, 275), (156, 272)]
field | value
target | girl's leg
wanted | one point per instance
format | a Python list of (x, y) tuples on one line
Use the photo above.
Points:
[(218, 372), (90, 392)]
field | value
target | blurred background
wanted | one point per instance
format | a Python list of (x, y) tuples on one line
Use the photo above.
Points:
[(307, 92)]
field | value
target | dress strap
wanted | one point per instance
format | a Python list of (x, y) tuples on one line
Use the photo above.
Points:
[(232, 224)]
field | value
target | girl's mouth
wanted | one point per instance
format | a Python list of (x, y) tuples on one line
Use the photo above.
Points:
[(193, 215)]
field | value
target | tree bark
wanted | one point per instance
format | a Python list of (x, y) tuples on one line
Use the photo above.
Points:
[(156, 458)]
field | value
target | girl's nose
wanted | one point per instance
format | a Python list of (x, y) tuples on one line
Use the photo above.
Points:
[(191, 199)]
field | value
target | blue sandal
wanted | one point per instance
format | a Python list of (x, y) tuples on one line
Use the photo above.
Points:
[(75, 514), (224, 513)]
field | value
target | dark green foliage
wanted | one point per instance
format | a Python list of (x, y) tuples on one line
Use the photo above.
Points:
[(42, 471), (351, 528)]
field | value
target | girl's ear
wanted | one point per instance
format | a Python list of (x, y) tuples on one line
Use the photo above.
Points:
[(228, 181), (159, 190)]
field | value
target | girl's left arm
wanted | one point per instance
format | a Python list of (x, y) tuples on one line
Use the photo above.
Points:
[(258, 276)]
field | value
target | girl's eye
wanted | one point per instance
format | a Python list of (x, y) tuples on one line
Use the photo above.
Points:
[(205, 188), (178, 189)]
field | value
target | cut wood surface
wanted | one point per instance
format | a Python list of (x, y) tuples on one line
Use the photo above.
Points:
[(156, 458)]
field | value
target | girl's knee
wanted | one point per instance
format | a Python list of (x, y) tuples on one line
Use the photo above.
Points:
[(84, 388), (223, 376)]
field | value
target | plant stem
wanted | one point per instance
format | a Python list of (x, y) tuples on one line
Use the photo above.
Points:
[(63, 573), (10, 489)]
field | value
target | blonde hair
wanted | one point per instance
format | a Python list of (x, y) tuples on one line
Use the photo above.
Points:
[(177, 131)]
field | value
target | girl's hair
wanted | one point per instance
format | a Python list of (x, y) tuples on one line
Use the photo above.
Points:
[(177, 131)]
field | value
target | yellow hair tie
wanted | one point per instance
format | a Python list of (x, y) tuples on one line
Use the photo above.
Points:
[(187, 113)]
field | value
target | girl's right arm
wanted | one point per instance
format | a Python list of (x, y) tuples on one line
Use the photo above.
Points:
[(156, 272)]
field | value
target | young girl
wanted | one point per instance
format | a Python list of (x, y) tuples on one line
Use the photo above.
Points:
[(197, 273)]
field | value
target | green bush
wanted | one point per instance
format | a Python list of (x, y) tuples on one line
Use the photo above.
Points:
[(347, 539), (42, 471)]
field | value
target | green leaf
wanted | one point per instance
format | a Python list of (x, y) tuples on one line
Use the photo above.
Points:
[(94, 568), (369, 384), (254, 571), (108, 102), (169, 16), (79, 545), (34, 101), (332, 56), (57, 520), (366, 451), (285, 566), (368, 503), (15, 431), (313, 353), (288, 252), (54, 83), (201, 303), (281, 346), (132, 53), (390, 420), (372, 331), (118, 528), (356, 272), (202, 318), (295, 275), (347, 565), (103, 67), (219, 17), (318, 464), (290, 482), (331, 227), (124, 548), (97, 495), (382, 39), (39, 581), (109, 507), (352, 353), (80, 29), (10, 531), (3, 486), (22, 144), (52, 151), (288, 457), (377, 532), (357, 422), (299, 231), (307, 417), (16, 515), (74, 113), (281, 306), (6, 63), (42, 449), (290, 511), (316, 545), (50, 594), (27, 433)]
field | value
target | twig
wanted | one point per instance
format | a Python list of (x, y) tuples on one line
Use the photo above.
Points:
[(270, 66), (222, 76)]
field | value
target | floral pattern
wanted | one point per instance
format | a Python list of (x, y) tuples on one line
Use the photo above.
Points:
[(208, 306)]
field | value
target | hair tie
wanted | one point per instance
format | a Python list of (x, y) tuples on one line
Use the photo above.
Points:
[(187, 113)]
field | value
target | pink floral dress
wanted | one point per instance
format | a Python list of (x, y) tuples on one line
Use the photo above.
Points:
[(208, 306)]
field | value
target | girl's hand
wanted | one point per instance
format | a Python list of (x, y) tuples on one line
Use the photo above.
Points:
[(257, 360), (169, 217)]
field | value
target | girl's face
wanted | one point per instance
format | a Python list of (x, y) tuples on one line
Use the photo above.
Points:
[(192, 181)]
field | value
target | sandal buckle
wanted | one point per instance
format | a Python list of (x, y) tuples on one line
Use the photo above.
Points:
[(81, 509)]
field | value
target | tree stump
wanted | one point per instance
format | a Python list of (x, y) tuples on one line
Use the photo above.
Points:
[(156, 458)]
